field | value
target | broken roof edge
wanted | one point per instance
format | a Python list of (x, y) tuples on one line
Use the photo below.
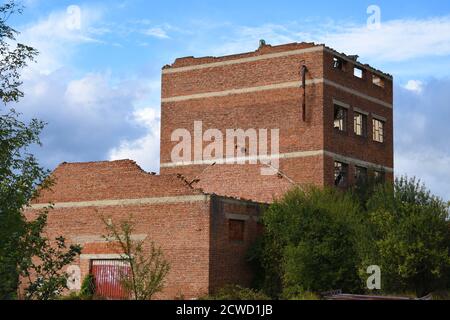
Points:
[(190, 61), (264, 49), (105, 162), (182, 179), (363, 65)]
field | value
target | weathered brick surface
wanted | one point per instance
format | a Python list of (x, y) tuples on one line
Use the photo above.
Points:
[(181, 229), (278, 109), (236, 181), (228, 258), (109, 180)]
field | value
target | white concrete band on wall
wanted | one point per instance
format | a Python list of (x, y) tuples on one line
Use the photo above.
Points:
[(292, 155), (123, 202), (284, 85)]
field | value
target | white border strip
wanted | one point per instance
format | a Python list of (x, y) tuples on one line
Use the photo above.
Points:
[(101, 256), (357, 162), (357, 93), (262, 159), (358, 110), (375, 116), (341, 104), (122, 202), (101, 239), (243, 60), (284, 85)]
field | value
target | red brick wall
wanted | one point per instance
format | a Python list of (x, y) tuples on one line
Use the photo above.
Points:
[(274, 109), (186, 231), (278, 108), (182, 231), (348, 143), (228, 263)]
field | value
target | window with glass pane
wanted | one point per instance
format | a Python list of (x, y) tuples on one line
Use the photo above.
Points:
[(378, 130), (340, 118), (340, 174), (360, 124)]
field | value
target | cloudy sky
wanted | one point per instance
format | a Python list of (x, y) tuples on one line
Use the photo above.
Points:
[(97, 80)]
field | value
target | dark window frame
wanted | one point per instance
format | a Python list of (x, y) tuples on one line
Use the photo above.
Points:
[(358, 70), (361, 172), (340, 118), (378, 130), (341, 174), (338, 63), (362, 126), (378, 81)]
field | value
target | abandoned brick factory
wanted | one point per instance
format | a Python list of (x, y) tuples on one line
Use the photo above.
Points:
[(327, 120)]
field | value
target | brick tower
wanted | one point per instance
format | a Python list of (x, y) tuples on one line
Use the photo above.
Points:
[(334, 114)]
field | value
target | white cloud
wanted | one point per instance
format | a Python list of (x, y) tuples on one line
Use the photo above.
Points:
[(156, 32), (144, 150), (421, 134), (430, 166), (87, 116), (396, 40), (414, 86), (57, 35)]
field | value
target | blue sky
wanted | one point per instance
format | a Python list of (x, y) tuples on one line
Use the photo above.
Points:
[(97, 82)]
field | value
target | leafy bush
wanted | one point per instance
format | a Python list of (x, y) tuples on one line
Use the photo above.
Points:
[(88, 287), (71, 297), (306, 296), (233, 292), (411, 237), (311, 243)]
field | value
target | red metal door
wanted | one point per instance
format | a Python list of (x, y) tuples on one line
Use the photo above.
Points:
[(108, 275)]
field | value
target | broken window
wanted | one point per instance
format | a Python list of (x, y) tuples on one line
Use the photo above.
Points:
[(236, 229), (340, 174), (379, 176), (360, 124), (340, 118), (358, 72), (378, 81), (361, 175), (378, 130), (338, 63)]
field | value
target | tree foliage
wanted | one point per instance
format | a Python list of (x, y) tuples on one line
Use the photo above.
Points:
[(19, 170), (314, 235), (43, 261), (148, 267), (87, 290), (411, 237), (13, 56), (237, 293), (319, 240), (22, 242)]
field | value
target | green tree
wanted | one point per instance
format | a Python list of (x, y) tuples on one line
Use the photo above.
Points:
[(19, 171), (411, 237), (21, 242), (315, 235), (43, 261), (148, 267)]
